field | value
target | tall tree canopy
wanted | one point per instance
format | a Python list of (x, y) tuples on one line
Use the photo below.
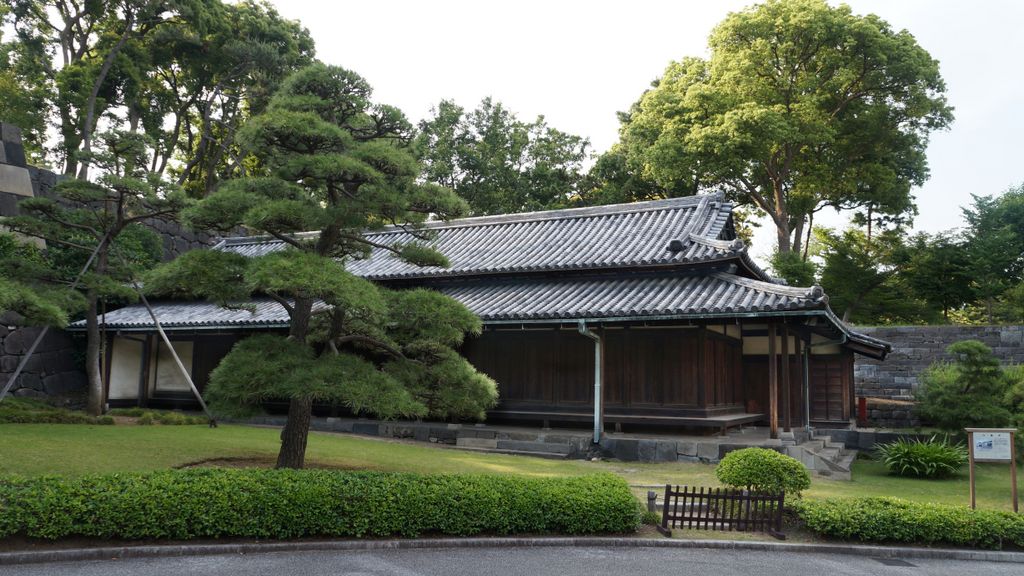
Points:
[(184, 72), (995, 248), (800, 106), (498, 163), (332, 161)]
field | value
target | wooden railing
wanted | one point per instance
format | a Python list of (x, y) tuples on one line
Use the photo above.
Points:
[(721, 509)]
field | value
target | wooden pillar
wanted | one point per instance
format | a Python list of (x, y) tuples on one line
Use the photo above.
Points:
[(702, 379), (787, 398), (773, 383)]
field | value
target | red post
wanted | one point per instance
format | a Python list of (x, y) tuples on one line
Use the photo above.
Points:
[(862, 411)]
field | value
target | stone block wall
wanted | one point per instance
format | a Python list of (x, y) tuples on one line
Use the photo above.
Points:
[(56, 369), (915, 348)]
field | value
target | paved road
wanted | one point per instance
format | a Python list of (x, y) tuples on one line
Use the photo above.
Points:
[(520, 561)]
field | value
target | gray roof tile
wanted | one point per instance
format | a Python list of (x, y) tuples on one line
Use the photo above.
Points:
[(603, 237), (677, 295)]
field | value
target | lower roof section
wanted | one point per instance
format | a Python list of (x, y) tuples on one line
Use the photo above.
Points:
[(711, 295)]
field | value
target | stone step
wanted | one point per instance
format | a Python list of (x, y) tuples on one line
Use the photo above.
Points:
[(525, 446), (476, 442), (814, 445), (548, 455), (847, 458), (830, 454)]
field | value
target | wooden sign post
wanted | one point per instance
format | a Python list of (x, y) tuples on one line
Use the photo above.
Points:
[(993, 445)]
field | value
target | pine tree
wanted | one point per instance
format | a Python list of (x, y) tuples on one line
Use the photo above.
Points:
[(328, 160)]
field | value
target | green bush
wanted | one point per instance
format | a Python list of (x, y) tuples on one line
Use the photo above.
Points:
[(916, 458), (32, 411), (763, 470), (130, 412), (895, 520), (969, 392), (215, 503), (146, 419)]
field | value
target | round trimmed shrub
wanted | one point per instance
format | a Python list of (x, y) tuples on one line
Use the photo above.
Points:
[(916, 458), (763, 470)]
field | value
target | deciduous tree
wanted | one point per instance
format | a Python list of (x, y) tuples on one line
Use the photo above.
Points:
[(800, 106), (498, 163)]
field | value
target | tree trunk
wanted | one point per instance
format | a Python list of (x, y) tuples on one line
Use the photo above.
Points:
[(781, 218), (89, 123), (810, 230), (296, 430), (295, 434), (94, 403)]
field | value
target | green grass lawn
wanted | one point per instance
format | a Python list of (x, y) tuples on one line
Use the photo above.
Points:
[(34, 449)]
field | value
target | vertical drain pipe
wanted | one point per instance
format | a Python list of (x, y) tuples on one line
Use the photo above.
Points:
[(807, 385), (598, 424)]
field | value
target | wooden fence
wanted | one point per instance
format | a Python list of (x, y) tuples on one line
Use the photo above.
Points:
[(722, 509)]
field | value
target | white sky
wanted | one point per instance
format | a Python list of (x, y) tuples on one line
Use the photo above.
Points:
[(578, 62)]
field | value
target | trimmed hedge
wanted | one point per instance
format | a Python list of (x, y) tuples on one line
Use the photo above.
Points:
[(213, 503), (896, 520)]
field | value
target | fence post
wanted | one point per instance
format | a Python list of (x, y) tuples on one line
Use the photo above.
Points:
[(663, 527), (652, 499)]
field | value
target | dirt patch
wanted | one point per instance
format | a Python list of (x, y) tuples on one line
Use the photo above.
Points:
[(234, 462), (256, 462)]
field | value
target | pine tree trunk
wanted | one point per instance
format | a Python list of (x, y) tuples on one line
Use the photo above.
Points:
[(94, 403), (300, 409), (295, 434)]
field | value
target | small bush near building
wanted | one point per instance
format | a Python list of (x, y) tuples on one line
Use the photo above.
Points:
[(216, 503), (971, 391), (916, 458), (895, 520), (763, 470), (32, 411)]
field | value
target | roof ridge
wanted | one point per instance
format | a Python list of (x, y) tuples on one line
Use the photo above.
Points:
[(699, 200), (566, 213), (807, 292)]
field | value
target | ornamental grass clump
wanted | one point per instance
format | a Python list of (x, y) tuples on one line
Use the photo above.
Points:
[(915, 458), (763, 470)]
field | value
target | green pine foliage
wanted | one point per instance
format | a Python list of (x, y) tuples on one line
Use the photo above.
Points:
[(792, 268), (932, 458), (330, 165), (901, 521), (970, 391), (763, 470), (29, 285), (281, 504)]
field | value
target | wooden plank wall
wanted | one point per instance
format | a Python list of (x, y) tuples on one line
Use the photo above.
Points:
[(647, 370), (830, 386)]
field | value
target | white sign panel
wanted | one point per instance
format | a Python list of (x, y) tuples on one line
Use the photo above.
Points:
[(992, 446)]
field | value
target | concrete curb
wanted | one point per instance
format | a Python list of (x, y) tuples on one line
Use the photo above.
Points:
[(170, 551)]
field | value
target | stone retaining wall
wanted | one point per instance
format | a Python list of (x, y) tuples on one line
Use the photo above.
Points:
[(915, 348), (56, 370)]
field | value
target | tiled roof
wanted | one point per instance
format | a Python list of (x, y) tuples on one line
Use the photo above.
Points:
[(644, 234), (677, 295), (673, 295), (265, 313)]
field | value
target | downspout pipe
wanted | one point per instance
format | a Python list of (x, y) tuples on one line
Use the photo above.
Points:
[(582, 327)]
